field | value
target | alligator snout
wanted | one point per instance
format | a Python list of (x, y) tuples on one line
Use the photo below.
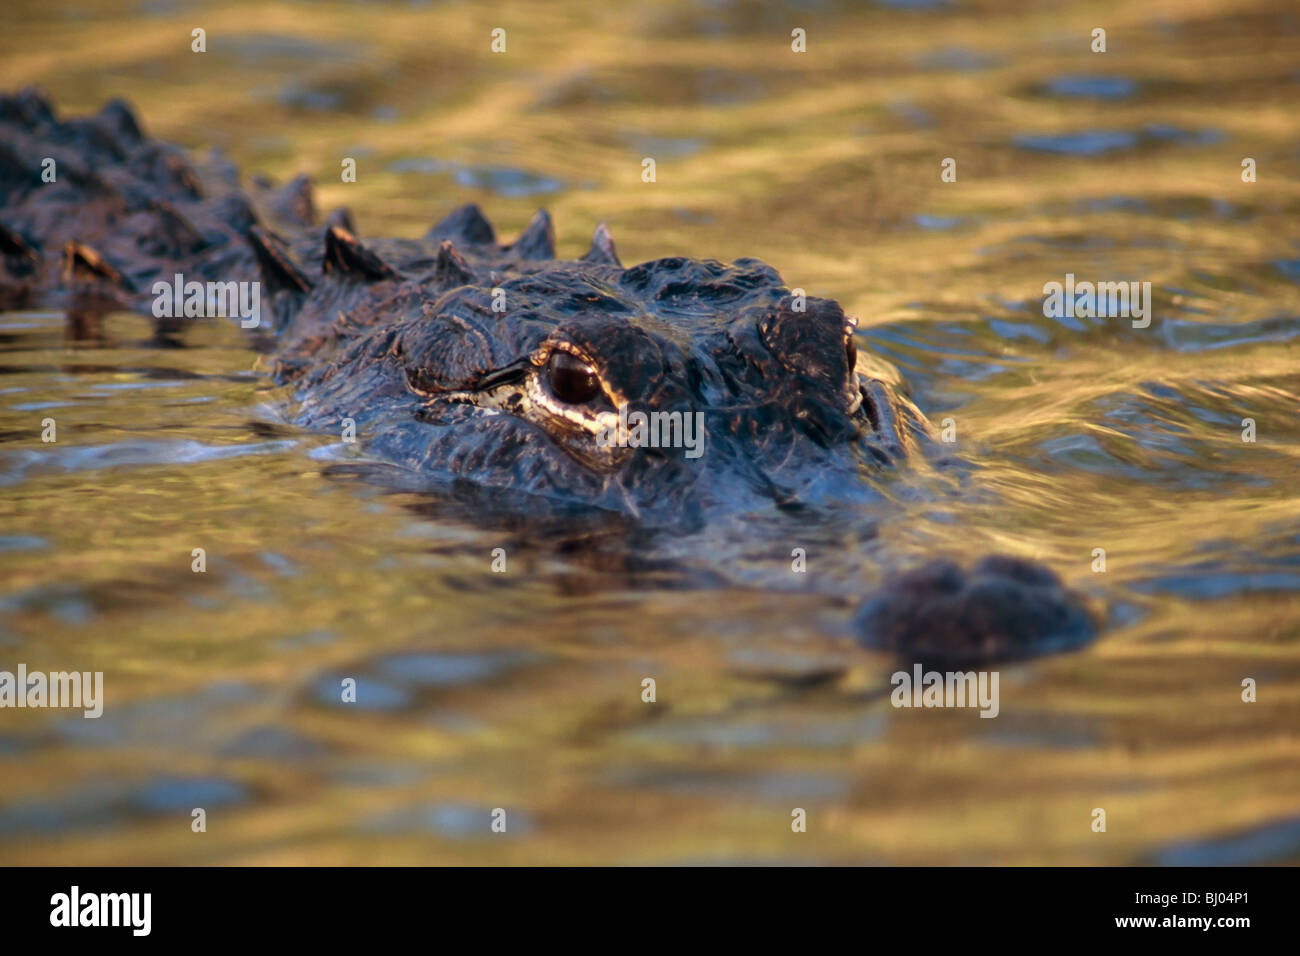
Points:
[(1002, 609)]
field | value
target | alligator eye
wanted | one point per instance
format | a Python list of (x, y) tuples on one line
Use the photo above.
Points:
[(571, 380), (851, 353)]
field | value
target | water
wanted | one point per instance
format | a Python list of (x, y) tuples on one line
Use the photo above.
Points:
[(522, 690)]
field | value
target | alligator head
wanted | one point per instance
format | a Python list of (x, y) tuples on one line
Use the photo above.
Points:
[(667, 391), (668, 387)]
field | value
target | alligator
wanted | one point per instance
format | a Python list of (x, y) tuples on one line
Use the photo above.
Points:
[(459, 357)]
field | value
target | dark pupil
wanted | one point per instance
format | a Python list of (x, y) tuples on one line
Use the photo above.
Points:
[(851, 353), (571, 379)]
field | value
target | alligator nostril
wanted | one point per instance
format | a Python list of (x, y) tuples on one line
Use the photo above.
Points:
[(870, 410)]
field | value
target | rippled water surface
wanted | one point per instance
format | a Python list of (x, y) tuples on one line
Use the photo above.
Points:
[(522, 690)]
